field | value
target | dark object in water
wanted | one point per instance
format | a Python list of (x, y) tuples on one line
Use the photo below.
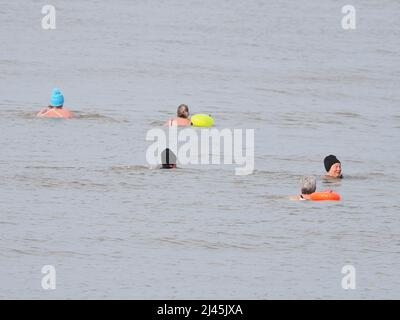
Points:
[(168, 159)]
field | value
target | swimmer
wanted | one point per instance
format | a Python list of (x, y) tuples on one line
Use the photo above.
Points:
[(333, 167), (168, 159), (55, 109), (308, 185), (182, 119)]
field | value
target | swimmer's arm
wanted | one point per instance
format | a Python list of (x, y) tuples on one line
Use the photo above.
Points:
[(42, 112)]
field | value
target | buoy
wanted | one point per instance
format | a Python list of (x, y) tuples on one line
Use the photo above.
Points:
[(324, 196), (202, 120)]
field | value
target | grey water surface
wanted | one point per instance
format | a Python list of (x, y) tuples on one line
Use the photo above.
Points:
[(79, 194)]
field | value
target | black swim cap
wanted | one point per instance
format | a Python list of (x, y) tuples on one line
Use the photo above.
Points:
[(329, 161), (168, 157)]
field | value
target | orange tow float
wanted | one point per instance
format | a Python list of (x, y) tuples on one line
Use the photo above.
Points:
[(325, 196)]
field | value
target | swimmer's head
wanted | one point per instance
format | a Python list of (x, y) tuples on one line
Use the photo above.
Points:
[(183, 111), (168, 159), (333, 166), (308, 185), (57, 98)]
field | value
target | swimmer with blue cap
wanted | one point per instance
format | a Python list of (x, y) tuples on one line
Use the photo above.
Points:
[(55, 108)]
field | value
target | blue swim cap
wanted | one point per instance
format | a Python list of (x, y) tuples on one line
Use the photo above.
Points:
[(57, 98)]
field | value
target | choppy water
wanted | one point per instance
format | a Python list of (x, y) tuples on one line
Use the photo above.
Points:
[(79, 195)]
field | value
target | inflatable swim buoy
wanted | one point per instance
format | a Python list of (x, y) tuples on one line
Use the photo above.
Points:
[(55, 113), (202, 120), (324, 196)]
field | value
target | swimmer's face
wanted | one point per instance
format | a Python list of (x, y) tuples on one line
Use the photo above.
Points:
[(336, 170)]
